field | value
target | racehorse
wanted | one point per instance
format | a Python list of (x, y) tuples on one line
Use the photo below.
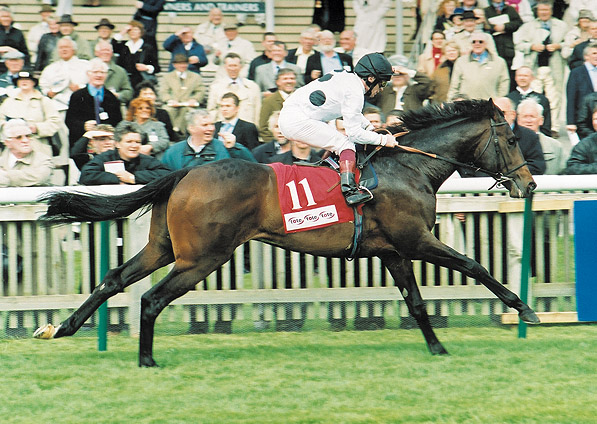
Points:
[(200, 215)]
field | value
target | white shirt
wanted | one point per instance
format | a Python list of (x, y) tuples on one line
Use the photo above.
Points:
[(341, 95)]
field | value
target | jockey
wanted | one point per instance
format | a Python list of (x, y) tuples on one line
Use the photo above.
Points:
[(305, 114)]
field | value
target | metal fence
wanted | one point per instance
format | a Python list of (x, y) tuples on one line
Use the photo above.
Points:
[(48, 272)]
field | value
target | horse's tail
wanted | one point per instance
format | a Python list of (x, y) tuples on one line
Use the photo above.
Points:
[(65, 206)]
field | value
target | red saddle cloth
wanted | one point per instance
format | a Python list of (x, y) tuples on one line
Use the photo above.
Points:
[(310, 197)]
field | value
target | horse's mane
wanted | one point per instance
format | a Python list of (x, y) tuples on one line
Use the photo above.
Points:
[(434, 114)]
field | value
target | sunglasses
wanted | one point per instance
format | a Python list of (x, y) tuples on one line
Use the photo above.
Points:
[(477, 41)]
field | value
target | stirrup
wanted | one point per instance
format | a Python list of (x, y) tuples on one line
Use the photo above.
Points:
[(357, 196)]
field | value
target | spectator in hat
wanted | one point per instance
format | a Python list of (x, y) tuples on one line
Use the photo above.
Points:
[(93, 104), (104, 33), (36, 110), (38, 30), (480, 74), (138, 58), (94, 142), (578, 33), (408, 89), (183, 43), (14, 61), (67, 29), (577, 58), (181, 91), (456, 20), (47, 44), (11, 38), (20, 164), (234, 44), (469, 26), (117, 80), (125, 164), (62, 78)]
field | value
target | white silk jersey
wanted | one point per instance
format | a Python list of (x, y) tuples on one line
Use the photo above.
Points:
[(338, 94)]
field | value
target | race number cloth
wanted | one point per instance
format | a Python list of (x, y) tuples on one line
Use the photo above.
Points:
[(310, 197)]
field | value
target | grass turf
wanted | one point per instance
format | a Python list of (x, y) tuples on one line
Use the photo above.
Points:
[(316, 376)]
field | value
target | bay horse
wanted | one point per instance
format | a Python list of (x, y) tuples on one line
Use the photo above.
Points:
[(201, 215)]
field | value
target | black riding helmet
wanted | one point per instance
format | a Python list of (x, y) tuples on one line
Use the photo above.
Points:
[(374, 65)]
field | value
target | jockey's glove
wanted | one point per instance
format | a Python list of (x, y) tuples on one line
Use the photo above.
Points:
[(387, 138)]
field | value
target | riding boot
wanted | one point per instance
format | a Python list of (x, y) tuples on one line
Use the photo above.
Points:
[(348, 185)]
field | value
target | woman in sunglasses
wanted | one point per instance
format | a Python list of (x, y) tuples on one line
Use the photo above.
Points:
[(339, 94)]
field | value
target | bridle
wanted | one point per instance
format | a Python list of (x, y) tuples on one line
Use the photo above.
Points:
[(499, 177)]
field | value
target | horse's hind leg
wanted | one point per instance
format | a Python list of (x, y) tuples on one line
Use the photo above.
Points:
[(141, 265), (402, 272), (434, 251), (181, 279)]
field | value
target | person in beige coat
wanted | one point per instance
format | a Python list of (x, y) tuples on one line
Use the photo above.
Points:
[(480, 74), (20, 164), (541, 41), (247, 91), (181, 91)]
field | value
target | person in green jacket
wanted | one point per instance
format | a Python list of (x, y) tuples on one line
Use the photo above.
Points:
[(203, 145)]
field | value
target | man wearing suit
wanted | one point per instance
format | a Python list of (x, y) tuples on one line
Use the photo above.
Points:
[(246, 90), (286, 84), (182, 42), (278, 145), (117, 80), (245, 132), (266, 74), (93, 104), (181, 91), (301, 54), (582, 81), (407, 89), (524, 78), (327, 60)]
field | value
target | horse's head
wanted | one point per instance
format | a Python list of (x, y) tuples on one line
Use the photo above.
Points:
[(501, 155)]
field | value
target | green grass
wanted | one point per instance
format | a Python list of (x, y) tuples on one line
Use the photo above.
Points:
[(309, 377)]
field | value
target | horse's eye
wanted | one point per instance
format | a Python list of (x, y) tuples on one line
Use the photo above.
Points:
[(512, 141)]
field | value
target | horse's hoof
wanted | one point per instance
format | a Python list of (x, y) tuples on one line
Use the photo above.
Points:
[(529, 316), (147, 363), (438, 350), (48, 331)]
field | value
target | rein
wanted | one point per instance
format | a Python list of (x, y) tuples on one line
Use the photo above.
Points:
[(499, 177)]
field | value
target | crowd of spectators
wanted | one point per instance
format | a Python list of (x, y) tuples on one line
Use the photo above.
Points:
[(103, 105)]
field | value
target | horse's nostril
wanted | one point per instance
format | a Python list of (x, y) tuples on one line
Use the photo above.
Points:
[(532, 186)]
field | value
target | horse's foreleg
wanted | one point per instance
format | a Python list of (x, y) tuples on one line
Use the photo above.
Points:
[(434, 251), (402, 272), (141, 265), (172, 286)]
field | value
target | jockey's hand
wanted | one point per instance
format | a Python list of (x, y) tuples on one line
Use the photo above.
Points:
[(388, 140)]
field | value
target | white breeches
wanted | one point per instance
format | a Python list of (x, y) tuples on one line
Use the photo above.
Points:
[(295, 125)]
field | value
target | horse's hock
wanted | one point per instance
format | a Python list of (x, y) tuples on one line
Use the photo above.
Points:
[(49, 272)]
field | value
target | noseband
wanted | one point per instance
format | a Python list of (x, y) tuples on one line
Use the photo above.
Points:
[(499, 177)]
